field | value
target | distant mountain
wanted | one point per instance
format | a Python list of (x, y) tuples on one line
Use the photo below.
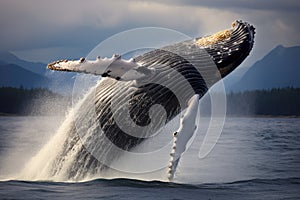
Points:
[(235, 76), (278, 69), (36, 67), (16, 72), (15, 76)]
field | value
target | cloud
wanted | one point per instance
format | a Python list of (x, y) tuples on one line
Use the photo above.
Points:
[(33, 25), (288, 5)]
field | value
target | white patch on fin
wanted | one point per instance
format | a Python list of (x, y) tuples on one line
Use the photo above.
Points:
[(183, 135), (114, 67)]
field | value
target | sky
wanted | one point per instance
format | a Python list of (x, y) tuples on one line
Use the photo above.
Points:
[(47, 30)]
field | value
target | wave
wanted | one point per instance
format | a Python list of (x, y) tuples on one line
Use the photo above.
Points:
[(135, 183)]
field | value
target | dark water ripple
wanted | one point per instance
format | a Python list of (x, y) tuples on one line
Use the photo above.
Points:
[(279, 188)]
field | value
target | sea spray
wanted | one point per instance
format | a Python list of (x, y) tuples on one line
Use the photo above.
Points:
[(55, 160), (79, 150)]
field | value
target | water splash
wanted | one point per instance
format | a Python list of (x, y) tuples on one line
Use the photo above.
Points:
[(65, 157), (58, 159)]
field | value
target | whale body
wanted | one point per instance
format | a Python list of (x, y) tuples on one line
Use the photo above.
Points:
[(118, 114)]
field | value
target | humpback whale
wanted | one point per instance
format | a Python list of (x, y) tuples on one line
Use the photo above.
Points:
[(124, 108)]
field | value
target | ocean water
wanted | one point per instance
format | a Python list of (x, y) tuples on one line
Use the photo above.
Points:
[(255, 158)]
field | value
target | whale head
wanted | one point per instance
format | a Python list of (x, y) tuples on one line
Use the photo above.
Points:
[(229, 48)]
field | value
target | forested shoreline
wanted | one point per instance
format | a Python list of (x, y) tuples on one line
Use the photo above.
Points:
[(36, 101), (40, 101), (274, 102)]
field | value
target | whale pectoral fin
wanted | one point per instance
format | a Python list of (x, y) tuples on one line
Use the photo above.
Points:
[(183, 135), (114, 67)]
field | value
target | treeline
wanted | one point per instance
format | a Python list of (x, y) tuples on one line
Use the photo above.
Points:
[(282, 101), (39, 101), (36, 101)]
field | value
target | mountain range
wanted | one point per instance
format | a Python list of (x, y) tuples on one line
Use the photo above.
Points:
[(36, 67), (13, 75), (15, 72), (279, 68)]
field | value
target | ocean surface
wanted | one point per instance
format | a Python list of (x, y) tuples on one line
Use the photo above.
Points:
[(255, 158)]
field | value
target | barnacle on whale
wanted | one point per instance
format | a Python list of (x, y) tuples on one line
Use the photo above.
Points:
[(212, 39)]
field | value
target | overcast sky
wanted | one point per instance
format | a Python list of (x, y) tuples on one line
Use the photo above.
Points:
[(43, 30)]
